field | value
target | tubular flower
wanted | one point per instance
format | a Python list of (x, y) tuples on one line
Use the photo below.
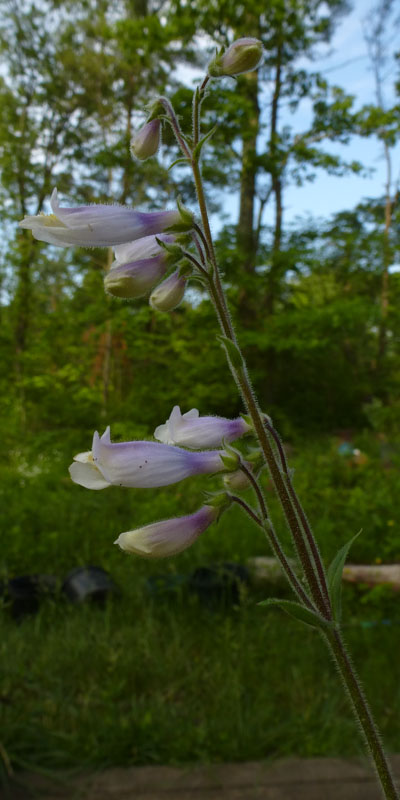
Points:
[(97, 225), (169, 537), (168, 294), (243, 55), (147, 140), (137, 267), (140, 465), (191, 430)]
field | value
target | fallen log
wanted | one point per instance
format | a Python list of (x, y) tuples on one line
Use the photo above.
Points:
[(264, 568)]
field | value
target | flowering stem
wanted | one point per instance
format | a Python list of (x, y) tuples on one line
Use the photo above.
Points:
[(362, 712), (270, 533), (254, 482), (175, 126), (197, 100), (243, 381), (204, 240), (300, 511), (301, 532), (247, 508)]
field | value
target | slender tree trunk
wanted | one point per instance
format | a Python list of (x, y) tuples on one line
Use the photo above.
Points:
[(387, 256), (276, 182), (246, 236)]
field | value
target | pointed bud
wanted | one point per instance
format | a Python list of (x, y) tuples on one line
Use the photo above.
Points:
[(244, 55), (168, 294), (168, 537), (236, 481), (147, 140)]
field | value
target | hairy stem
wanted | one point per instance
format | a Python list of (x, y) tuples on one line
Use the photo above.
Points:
[(362, 712), (300, 511), (303, 538)]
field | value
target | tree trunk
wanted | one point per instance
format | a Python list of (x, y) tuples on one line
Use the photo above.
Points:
[(246, 238), (276, 183)]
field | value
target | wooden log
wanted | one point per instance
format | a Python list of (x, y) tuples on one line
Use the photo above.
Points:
[(264, 568)]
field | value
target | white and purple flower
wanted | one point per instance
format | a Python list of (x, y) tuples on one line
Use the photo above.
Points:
[(243, 55), (191, 430), (138, 266), (140, 465), (168, 294), (147, 140), (171, 536), (97, 225)]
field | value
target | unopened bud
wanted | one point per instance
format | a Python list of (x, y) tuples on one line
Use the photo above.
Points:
[(236, 481), (147, 141), (168, 294), (244, 55)]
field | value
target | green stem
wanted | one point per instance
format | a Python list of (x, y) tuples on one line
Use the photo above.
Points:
[(300, 511), (246, 507), (362, 712), (269, 531), (301, 532), (243, 382)]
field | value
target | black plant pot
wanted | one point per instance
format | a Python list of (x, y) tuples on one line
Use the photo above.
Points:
[(219, 585), (88, 584), (24, 593)]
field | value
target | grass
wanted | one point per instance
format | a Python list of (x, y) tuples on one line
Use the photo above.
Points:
[(162, 678)]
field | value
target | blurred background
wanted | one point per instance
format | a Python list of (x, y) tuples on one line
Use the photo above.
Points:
[(177, 664)]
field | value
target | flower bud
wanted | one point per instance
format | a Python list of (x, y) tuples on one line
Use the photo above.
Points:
[(243, 55), (171, 536), (236, 481), (168, 294), (138, 266), (147, 140)]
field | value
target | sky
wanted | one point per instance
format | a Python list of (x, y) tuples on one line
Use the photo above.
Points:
[(344, 62)]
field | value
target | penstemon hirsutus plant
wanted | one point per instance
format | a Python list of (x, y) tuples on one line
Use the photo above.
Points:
[(157, 254)]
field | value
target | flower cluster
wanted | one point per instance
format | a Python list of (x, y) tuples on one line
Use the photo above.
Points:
[(152, 257), (140, 244), (145, 465)]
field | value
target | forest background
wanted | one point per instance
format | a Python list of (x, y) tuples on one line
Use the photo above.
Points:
[(315, 304)]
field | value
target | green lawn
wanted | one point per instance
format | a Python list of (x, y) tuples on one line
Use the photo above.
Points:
[(162, 678)]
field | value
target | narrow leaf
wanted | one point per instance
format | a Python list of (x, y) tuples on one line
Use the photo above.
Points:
[(334, 576), (234, 354), (178, 161), (199, 145), (297, 611)]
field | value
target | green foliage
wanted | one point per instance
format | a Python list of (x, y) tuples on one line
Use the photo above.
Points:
[(298, 612), (136, 702), (334, 576)]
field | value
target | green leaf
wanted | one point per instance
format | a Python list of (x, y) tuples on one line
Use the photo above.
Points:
[(179, 161), (232, 350), (297, 611), (199, 145), (334, 576)]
